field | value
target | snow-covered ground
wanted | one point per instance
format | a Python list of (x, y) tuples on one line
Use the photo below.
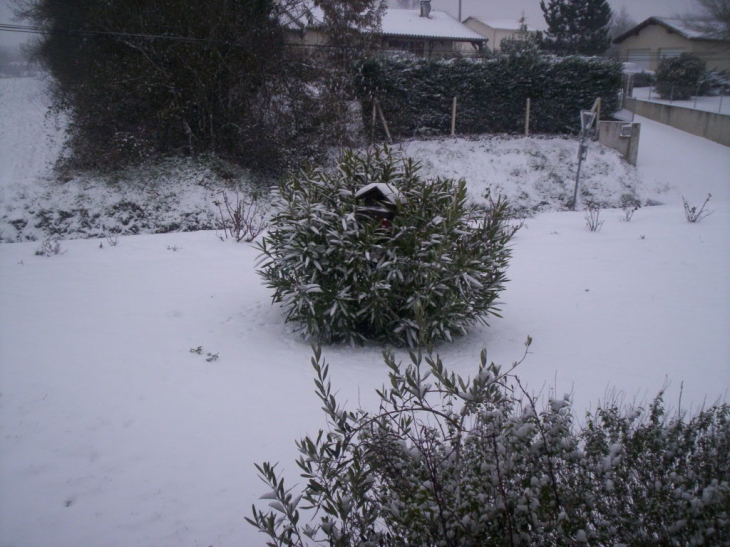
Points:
[(115, 434), (718, 104), (537, 174)]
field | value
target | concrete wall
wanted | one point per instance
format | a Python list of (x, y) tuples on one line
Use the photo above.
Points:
[(621, 136), (710, 125), (484, 30), (494, 35)]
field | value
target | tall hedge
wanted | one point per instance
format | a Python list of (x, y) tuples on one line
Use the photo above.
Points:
[(416, 95)]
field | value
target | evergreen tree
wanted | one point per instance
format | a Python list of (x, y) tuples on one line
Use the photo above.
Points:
[(141, 78), (577, 26)]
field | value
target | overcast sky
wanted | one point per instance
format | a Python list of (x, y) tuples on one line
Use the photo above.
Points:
[(502, 9)]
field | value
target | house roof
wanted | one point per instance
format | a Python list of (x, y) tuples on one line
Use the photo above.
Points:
[(501, 24), (691, 30), (439, 24), (382, 191), (395, 22)]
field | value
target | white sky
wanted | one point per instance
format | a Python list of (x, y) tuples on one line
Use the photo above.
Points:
[(502, 9)]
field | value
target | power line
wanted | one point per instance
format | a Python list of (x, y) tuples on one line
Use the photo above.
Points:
[(30, 29), (68, 32)]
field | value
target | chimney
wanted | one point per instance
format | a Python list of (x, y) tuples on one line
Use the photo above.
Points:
[(425, 8)]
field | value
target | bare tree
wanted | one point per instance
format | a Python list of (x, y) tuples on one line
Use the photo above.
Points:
[(621, 21), (712, 17)]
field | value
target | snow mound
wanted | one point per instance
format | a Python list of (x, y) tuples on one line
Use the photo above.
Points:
[(535, 174)]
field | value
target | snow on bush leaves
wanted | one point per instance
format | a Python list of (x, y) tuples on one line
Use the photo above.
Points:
[(432, 271), (460, 462)]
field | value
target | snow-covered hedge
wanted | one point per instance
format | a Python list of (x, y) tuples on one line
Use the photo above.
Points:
[(427, 274), (680, 78), (416, 95), (455, 462)]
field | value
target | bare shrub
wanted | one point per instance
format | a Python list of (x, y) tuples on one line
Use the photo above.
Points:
[(242, 219), (50, 247), (694, 214), (592, 216), (112, 240), (629, 213)]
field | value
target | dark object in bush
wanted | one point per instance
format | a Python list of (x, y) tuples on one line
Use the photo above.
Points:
[(455, 462), (428, 274), (679, 78), (416, 95), (643, 79)]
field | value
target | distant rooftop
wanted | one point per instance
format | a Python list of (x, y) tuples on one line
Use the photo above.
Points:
[(396, 22), (403, 22), (501, 24), (692, 30)]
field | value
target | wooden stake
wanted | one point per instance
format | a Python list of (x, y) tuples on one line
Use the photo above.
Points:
[(453, 118), (385, 124), (597, 109), (372, 126), (527, 119)]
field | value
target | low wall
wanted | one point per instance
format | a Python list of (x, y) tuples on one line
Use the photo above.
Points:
[(710, 125), (621, 136)]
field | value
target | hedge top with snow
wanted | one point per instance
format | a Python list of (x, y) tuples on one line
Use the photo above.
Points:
[(416, 95), (347, 271)]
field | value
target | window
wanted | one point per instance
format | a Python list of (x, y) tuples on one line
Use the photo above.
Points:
[(640, 57), (670, 52), (412, 46)]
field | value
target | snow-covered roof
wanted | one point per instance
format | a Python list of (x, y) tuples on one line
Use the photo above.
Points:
[(396, 22), (501, 24), (692, 30), (388, 192), (403, 22), (700, 30)]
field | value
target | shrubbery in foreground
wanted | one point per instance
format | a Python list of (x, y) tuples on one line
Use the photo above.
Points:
[(453, 462), (427, 274)]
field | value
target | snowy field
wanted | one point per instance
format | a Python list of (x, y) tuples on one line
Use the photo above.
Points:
[(720, 105), (115, 434)]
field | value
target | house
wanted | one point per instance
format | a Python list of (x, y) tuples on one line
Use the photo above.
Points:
[(423, 32), (303, 22), (658, 37), (496, 30)]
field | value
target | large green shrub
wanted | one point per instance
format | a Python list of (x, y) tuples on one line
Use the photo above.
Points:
[(679, 77), (454, 462), (416, 95), (343, 276)]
